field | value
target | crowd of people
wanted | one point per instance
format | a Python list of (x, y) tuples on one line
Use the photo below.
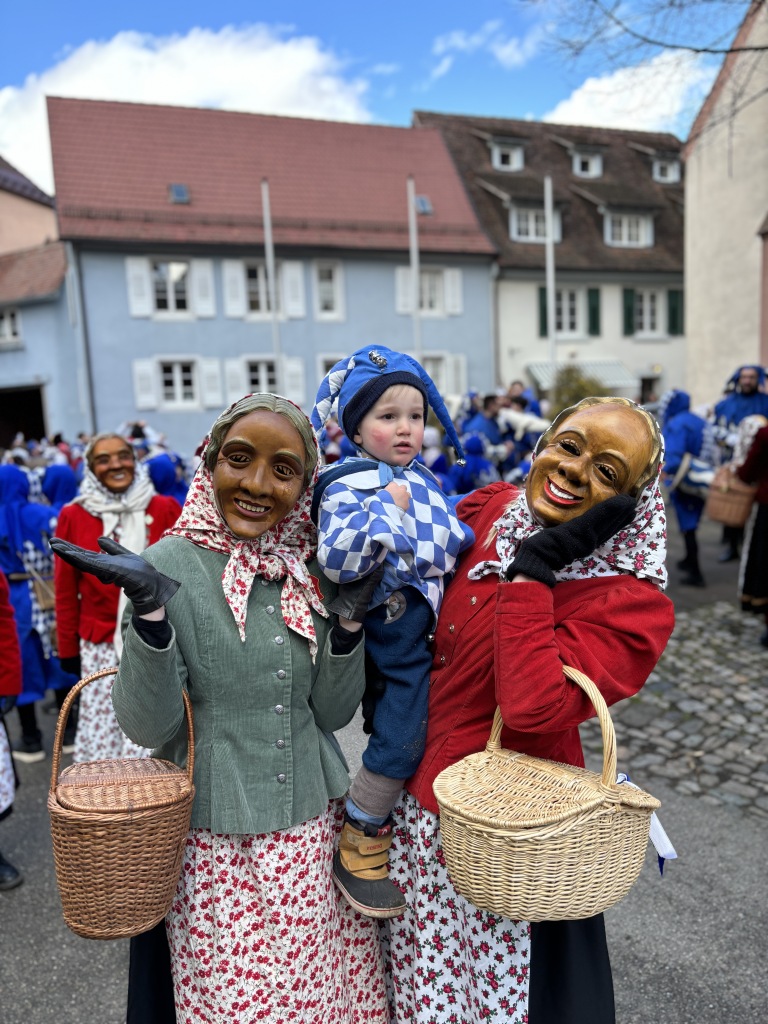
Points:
[(379, 551)]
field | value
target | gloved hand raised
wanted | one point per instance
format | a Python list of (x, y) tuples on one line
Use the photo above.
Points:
[(557, 546), (145, 587), (353, 599)]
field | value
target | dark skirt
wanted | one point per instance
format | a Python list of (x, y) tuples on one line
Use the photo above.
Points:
[(571, 980), (754, 584)]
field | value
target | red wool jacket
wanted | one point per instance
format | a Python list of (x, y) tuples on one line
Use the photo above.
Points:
[(506, 644), (10, 652), (86, 608)]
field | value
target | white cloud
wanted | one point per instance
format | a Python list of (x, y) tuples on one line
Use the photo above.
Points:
[(509, 51), (257, 68), (661, 94), (442, 68), (465, 42)]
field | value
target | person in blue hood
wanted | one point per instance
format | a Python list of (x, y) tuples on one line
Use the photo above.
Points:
[(166, 472), (687, 437), (477, 470)]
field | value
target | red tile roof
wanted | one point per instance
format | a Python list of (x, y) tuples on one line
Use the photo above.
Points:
[(331, 184), (12, 180), (32, 273)]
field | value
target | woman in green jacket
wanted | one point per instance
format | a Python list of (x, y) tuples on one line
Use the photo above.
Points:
[(226, 607)]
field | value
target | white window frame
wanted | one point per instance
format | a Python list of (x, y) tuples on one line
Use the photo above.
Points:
[(576, 299), (171, 313), (528, 224), (265, 313), (149, 383), (506, 156), (177, 400), (10, 327), (672, 175), (650, 313), (628, 230), (441, 288), (594, 161), (337, 312), (261, 374)]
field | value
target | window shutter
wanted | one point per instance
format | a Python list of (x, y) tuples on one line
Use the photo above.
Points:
[(145, 383), (210, 383), (454, 304), (203, 294), (139, 280), (675, 312), (593, 312), (292, 273), (235, 380), (542, 312), (455, 374), (629, 312), (403, 290), (293, 383), (233, 278)]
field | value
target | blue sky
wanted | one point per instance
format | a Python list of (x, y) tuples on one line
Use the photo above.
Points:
[(341, 61)]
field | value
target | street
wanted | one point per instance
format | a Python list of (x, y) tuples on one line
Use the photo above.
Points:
[(687, 948)]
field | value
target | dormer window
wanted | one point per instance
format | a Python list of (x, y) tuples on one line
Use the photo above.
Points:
[(628, 230), (506, 156), (666, 172), (587, 165), (528, 224), (178, 193)]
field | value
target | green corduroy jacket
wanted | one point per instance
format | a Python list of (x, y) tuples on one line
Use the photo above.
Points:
[(261, 708)]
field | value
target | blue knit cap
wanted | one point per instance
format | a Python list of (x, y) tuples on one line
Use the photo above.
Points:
[(357, 383)]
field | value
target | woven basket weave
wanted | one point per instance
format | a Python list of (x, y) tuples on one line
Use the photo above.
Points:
[(535, 840), (118, 829), (729, 499)]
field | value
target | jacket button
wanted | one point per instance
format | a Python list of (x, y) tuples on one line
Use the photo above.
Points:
[(442, 659), (279, 640), (279, 709), (280, 744), (473, 600), (451, 628), (430, 637), (280, 673), (270, 609), (264, 583), (281, 777)]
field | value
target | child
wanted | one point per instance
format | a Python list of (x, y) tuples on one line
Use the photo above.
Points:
[(385, 520)]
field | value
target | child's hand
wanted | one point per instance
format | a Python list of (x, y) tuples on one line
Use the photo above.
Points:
[(400, 494)]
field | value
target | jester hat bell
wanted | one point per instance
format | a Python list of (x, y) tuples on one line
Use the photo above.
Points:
[(358, 382)]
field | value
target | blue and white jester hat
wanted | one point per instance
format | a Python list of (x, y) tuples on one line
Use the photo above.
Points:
[(358, 382)]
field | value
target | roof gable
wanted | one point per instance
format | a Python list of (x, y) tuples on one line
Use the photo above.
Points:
[(32, 273), (331, 184), (12, 180)]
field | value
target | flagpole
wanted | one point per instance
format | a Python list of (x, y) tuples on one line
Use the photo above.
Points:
[(269, 251), (549, 256), (413, 238)]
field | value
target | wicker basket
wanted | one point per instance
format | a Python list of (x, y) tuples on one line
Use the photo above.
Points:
[(729, 500), (535, 840), (118, 829)]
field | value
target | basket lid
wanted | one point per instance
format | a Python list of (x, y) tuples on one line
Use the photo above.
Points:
[(122, 784), (508, 790)]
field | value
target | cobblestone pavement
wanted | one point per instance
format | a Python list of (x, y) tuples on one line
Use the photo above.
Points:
[(701, 720)]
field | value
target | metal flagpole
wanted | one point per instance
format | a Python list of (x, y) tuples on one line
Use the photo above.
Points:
[(269, 251), (413, 238), (549, 256)]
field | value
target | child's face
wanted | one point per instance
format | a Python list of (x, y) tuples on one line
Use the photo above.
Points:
[(392, 430)]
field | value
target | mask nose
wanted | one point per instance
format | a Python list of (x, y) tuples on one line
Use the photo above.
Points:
[(257, 480)]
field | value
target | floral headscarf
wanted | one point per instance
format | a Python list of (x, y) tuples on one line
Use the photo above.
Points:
[(638, 549), (280, 553)]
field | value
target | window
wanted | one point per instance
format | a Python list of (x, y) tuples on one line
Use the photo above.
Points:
[(506, 157), (587, 165), (644, 310), (262, 375), (257, 290), (629, 230), (170, 280), (178, 383), (431, 292), (528, 224), (10, 328), (667, 172), (577, 312), (329, 290), (178, 193), (440, 291), (423, 205)]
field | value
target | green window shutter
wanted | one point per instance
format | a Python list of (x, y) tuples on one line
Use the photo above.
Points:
[(675, 311), (629, 312), (593, 312), (542, 312)]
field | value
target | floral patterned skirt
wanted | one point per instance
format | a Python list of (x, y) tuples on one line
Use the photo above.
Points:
[(259, 932), (447, 962), (7, 774), (98, 734)]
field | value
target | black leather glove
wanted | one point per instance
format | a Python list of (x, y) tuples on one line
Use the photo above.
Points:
[(352, 600), (145, 587), (557, 546), (71, 665), (7, 703)]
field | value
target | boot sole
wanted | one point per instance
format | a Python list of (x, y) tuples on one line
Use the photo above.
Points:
[(6, 886), (28, 758), (377, 912)]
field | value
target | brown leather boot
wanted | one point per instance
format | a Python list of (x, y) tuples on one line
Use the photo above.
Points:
[(360, 869)]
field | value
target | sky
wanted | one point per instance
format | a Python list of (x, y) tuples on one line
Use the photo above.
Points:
[(374, 63)]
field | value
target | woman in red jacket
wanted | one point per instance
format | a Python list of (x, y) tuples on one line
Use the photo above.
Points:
[(568, 572), (116, 500), (10, 688)]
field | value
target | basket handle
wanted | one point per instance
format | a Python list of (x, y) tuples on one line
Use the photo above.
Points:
[(61, 724), (606, 725)]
